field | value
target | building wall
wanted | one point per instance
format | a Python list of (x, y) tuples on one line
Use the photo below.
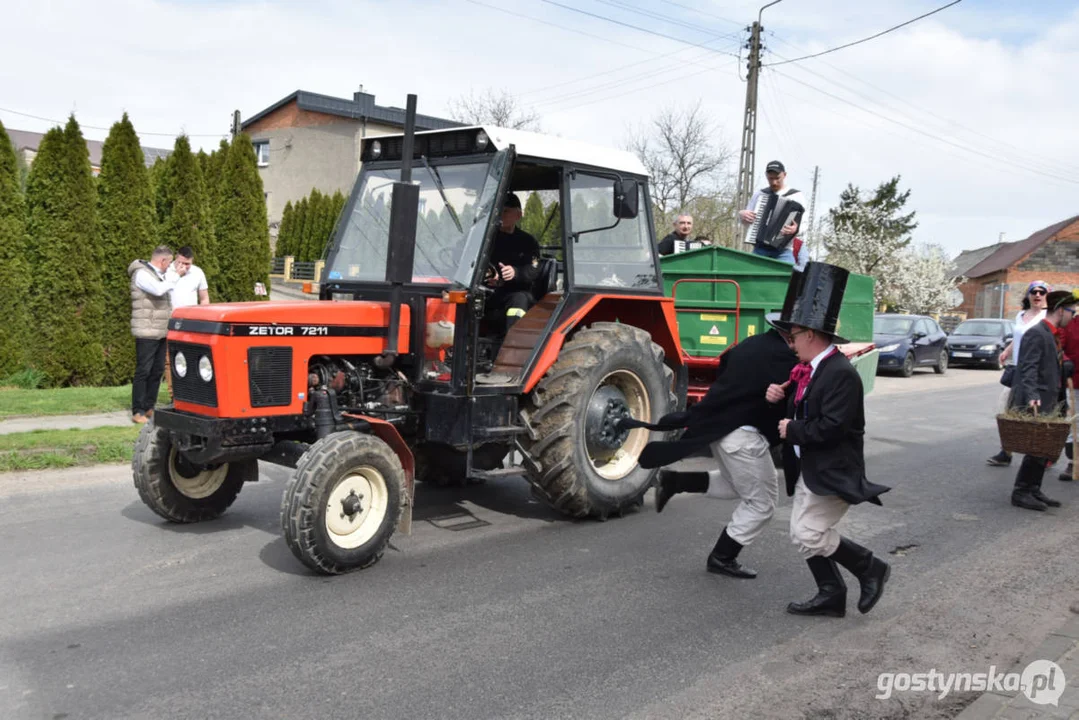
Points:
[(1056, 262), (309, 150)]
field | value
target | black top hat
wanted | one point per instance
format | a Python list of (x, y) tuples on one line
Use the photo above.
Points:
[(814, 297)]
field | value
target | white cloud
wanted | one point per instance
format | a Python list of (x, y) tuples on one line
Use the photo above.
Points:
[(1003, 70)]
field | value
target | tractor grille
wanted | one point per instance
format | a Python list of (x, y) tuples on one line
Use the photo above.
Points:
[(192, 388), (269, 371)]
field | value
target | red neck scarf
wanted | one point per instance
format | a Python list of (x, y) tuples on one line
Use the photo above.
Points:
[(802, 373)]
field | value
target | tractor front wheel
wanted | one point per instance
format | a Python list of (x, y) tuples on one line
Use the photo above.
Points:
[(178, 490), (343, 503), (589, 466)]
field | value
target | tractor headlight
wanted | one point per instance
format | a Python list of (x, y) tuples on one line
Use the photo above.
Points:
[(206, 370), (481, 140), (376, 150), (180, 364)]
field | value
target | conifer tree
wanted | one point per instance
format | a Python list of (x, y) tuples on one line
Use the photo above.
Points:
[(299, 225), (126, 216), (284, 231), (66, 296), (315, 219), (14, 269), (242, 232), (183, 212)]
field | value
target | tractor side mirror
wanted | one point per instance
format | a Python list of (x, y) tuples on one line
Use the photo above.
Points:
[(625, 199)]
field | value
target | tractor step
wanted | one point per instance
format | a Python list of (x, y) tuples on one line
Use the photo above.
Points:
[(498, 473), (504, 431)]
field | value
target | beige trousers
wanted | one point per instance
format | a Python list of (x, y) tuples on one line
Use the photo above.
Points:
[(746, 473), (813, 521)]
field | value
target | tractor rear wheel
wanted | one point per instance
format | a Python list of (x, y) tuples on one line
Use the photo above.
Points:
[(178, 490), (588, 468), (343, 503)]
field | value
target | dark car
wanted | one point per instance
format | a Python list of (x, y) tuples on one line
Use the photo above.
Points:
[(979, 341), (906, 342)]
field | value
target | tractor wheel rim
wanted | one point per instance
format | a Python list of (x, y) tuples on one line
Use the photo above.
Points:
[(199, 485), (356, 507), (624, 460)]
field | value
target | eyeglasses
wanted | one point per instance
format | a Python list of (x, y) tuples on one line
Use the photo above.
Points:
[(1038, 291), (791, 336)]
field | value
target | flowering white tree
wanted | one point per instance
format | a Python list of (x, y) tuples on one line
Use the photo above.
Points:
[(859, 241), (924, 281)]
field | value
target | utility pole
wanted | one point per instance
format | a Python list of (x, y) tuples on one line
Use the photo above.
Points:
[(749, 121), (810, 232), (235, 123)]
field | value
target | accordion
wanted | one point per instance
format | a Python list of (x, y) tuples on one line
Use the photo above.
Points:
[(773, 213)]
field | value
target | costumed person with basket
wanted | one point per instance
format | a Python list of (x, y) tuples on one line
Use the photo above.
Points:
[(1033, 312), (1039, 381), (1069, 344), (738, 427), (823, 458)]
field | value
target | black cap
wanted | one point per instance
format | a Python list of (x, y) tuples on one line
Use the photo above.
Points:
[(512, 201), (775, 166), (1060, 298)]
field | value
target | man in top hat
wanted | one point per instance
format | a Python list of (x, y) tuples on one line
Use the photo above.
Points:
[(515, 266), (823, 459), (1039, 377), (738, 427)]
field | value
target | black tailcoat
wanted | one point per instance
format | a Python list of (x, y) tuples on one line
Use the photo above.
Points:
[(829, 428)]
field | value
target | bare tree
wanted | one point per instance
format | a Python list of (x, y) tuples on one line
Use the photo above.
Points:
[(493, 107), (687, 163)]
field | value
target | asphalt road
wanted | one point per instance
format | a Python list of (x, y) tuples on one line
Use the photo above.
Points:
[(496, 608)]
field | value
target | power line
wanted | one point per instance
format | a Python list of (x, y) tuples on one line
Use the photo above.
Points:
[(702, 12), (925, 133), (556, 25), (947, 122), (635, 27), (95, 127), (629, 92), (871, 37), (667, 19)]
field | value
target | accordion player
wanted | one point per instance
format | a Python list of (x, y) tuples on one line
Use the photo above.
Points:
[(774, 211)]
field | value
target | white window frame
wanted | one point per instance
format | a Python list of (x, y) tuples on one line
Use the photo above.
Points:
[(262, 146)]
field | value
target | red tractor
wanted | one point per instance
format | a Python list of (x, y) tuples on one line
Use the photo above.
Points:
[(394, 374)]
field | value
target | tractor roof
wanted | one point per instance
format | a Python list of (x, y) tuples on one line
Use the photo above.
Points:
[(550, 147)]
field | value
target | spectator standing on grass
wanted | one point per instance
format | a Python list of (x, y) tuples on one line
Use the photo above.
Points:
[(189, 280), (1033, 312), (150, 310)]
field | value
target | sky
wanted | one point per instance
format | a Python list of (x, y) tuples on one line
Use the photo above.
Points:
[(975, 107)]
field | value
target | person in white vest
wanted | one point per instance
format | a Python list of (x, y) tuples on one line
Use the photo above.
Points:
[(150, 310), (189, 279)]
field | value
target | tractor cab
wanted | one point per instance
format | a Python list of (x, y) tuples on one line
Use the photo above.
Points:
[(593, 233)]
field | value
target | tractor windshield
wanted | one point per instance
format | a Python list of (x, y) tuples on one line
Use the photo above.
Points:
[(455, 205)]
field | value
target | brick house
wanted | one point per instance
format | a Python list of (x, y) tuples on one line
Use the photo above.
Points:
[(26, 144), (998, 275), (307, 140)]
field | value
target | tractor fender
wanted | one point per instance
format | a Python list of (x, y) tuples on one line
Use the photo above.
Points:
[(650, 313), (388, 434)]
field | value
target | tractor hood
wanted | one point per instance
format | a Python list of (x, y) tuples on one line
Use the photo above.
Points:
[(298, 318)]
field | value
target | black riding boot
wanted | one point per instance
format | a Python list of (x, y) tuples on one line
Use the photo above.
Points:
[(1027, 480), (1036, 488), (872, 572), (724, 558), (1066, 476), (670, 483), (831, 597)]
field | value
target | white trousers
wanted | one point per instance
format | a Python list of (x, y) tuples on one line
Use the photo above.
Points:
[(745, 472), (813, 521)]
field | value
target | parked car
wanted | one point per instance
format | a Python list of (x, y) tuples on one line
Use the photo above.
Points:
[(979, 341), (907, 342)]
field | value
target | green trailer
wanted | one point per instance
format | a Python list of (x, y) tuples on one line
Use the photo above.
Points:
[(722, 296)]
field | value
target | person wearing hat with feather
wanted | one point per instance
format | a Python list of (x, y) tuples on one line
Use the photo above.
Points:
[(823, 459)]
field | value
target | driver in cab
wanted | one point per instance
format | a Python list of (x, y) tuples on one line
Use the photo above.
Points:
[(514, 267)]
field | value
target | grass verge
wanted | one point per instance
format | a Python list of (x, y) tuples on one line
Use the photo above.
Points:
[(16, 402), (44, 449)]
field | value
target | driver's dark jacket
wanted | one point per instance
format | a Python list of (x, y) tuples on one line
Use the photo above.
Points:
[(520, 250)]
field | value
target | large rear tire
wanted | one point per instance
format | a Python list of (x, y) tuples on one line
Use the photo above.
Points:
[(179, 491), (343, 503), (588, 468)]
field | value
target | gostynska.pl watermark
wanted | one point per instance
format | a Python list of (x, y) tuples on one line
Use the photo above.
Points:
[(1042, 681)]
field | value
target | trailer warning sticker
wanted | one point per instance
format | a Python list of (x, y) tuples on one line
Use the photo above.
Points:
[(714, 331), (712, 317), (713, 340)]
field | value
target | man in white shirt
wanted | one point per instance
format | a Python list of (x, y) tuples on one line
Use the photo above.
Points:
[(776, 173), (150, 310), (190, 282)]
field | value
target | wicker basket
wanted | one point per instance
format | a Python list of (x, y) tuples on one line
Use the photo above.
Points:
[(1034, 436)]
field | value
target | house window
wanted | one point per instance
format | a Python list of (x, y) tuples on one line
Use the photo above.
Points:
[(262, 152)]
